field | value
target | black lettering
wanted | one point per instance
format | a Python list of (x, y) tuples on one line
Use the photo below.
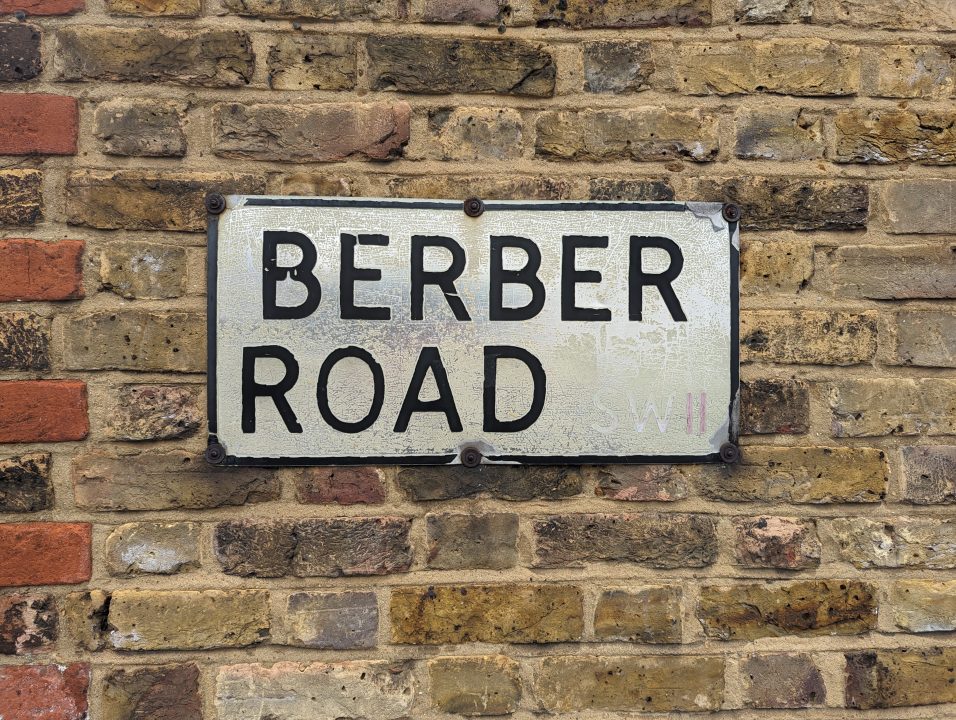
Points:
[(527, 276), (491, 422), (273, 273), (378, 390), (571, 276), (444, 279), (349, 275), (252, 389), (429, 359), (637, 278)]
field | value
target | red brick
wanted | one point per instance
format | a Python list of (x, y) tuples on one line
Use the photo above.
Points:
[(44, 553), (33, 123), (44, 692), (342, 485), (38, 270), (43, 411), (42, 7)]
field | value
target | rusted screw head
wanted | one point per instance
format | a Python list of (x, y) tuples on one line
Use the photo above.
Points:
[(215, 454), (474, 207), (471, 457), (215, 203), (729, 453), (731, 212)]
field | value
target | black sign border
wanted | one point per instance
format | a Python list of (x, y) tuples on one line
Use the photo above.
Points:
[(212, 239)]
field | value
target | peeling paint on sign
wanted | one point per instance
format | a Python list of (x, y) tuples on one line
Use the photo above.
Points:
[(347, 330)]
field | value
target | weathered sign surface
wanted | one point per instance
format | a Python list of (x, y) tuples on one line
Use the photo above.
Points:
[(354, 330)]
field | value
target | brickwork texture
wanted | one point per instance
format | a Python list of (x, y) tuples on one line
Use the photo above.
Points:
[(814, 580)]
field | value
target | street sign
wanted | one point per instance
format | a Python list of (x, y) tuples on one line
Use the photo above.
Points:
[(361, 331)]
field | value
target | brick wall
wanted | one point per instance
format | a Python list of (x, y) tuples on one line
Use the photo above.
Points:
[(816, 576)]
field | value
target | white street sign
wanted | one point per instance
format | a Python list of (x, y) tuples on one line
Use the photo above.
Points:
[(346, 330)]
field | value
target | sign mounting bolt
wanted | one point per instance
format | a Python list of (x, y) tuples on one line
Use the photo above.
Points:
[(474, 207), (471, 457), (215, 203), (729, 453), (215, 453), (731, 212)]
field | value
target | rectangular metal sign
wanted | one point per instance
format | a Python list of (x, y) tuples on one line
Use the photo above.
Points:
[(346, 330)]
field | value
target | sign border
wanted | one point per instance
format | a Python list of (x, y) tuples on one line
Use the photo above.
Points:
[(216, 454)]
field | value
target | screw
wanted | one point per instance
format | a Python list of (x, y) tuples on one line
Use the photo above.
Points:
[(215, 203), (471, 457), (729, 453), (474, 207), (215, 454), (731, 212)]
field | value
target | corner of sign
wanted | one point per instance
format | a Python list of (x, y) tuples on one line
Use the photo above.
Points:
[(712, 211), (729, 430), (217, 203), (716, 213)]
